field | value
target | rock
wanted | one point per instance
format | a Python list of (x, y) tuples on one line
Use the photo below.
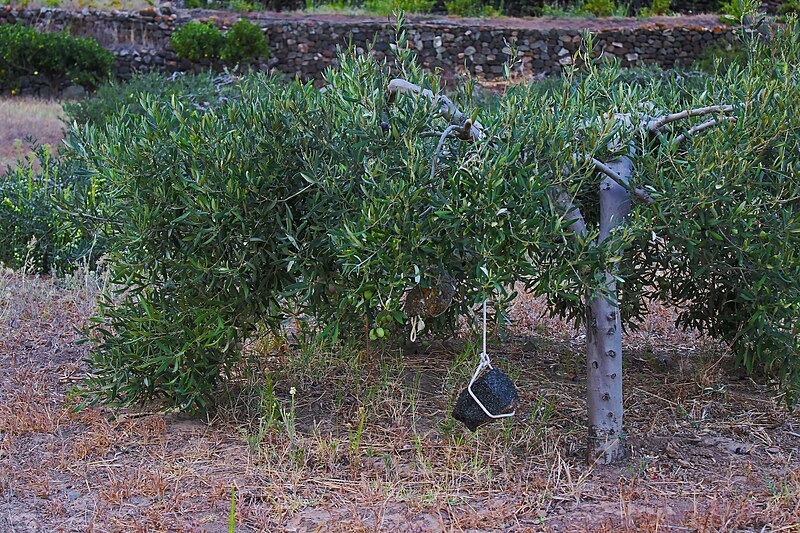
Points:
[(73, 92)]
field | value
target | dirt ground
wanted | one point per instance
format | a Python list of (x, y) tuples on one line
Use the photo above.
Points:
[(526, 23), (371, 447)]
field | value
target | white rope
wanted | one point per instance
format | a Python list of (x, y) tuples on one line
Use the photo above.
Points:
[(484, 363)]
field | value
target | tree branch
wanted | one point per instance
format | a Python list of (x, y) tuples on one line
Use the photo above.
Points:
[(700, 127), (578, 223), (656, 124), (640, 195), (469, 130)]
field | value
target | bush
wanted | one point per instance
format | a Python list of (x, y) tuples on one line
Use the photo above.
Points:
[(124, 100), (658, 8), (198, 40), (471, 8), (792, 7), (57, 57), (386, 7), (199, 277), (245, 41), (48, 216), (600, 8)]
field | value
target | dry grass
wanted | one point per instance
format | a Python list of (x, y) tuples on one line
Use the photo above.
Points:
[(27, 117), (370, 447)]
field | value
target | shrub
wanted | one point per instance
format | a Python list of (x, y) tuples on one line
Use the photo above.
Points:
[(386, 7), (57, 57), (792, 7), (197, 278), (471, 8), (600, 8), (245, 41), (48, 215), (124, 99), (658, 8), (198, 40)]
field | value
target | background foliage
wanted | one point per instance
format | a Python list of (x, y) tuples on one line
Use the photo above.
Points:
[(57, 57), (197, 41)]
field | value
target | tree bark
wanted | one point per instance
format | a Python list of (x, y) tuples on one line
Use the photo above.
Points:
[(604, 335)]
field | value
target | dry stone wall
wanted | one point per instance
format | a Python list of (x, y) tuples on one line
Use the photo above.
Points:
[(305, 46)]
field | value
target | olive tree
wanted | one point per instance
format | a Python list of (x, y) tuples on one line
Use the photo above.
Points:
[(662, 192), (612, 189)]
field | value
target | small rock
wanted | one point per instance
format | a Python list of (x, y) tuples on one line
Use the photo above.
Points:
[(73, 92), (671, 450)]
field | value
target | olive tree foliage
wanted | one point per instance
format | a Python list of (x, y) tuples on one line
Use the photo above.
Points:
[(290, 200), (336, 202)]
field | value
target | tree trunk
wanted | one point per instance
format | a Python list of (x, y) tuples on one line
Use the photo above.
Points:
[(604, 336)]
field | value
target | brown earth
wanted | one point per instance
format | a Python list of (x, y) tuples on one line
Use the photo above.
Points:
[(711, 450), (528, 23)]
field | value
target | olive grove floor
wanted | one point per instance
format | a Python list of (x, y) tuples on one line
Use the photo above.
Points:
[(366, 443)]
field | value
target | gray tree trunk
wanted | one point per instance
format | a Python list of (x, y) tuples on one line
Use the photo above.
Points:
[(604, 336)]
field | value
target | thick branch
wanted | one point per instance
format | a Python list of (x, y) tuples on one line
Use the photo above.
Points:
[(700, 127), (469, 130), (573, 213), (639, 195), (656, 124)]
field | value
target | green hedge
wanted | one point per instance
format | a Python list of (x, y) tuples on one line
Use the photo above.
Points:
[(197, 41), (58, 58)]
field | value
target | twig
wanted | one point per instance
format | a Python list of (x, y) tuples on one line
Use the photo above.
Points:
[(446, 133), (638, 194), (657, 123), (700, 127), (469, 130)]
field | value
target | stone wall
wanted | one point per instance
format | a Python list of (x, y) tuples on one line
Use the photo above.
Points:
[(304, 46)]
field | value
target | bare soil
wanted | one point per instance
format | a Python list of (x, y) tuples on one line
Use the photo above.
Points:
[(711, 449), (522, 23)]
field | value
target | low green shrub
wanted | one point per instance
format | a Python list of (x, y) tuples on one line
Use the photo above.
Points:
[(471, 8), (657, 8), (386, 7), (197, 40), (49, 215), (58, 58), (792, 7), (124, 99), (245, 41), (600, 8)]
